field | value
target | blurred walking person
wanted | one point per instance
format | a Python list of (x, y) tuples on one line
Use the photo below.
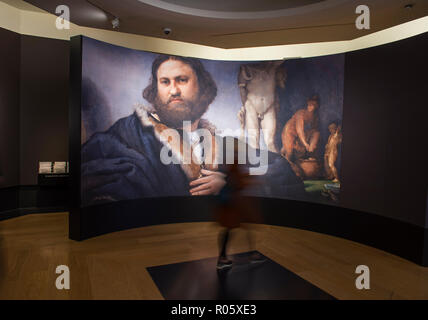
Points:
[(235, 211)]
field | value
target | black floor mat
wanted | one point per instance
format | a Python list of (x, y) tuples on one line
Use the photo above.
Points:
[(200, 280)]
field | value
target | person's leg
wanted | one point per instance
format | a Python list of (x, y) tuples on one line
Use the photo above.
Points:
[(332, 163), (223, 238)]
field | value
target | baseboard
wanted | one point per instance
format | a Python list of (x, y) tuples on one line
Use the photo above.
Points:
[(9, 198), (425, 253), (9, 214), (25, 211), (16, 201), (397, 237)]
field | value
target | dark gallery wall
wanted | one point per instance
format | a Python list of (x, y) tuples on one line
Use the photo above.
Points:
[(9, 108), (9, 118), (33, 118), (44, 104), (384, 167)]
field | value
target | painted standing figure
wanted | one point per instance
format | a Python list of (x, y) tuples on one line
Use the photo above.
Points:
[(257, 86), (331, 152)]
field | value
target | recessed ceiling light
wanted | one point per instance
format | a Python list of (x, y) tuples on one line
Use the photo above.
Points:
[(409, 6)]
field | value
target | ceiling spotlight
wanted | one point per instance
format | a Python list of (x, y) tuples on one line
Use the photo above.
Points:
[(409, 6), (115, 23)]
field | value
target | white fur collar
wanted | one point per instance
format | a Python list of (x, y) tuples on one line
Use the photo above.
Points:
[(149, 118)]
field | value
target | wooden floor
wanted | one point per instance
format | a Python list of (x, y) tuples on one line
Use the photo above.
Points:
[(113, 266)]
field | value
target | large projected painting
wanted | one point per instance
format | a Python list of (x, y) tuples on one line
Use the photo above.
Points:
[(157, 125)]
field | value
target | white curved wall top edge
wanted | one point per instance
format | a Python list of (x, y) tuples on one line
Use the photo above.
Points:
[(243, 14), (43, 25)]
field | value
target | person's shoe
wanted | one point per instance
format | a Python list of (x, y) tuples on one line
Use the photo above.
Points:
[(224, 264), (257, 258)]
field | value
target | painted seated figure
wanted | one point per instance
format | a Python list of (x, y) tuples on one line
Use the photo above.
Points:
[(300, 138)]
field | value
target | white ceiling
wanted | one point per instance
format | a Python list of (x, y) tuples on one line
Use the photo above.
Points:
[(239, 23)]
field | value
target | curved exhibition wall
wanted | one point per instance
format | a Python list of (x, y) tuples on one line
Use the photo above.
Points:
[(282, 108), (341, 135), (380, 162)]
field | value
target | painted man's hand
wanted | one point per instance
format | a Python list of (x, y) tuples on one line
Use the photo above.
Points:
[(210, 184)]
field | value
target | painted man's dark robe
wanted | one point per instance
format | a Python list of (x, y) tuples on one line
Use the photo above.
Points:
[(124, 163)]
